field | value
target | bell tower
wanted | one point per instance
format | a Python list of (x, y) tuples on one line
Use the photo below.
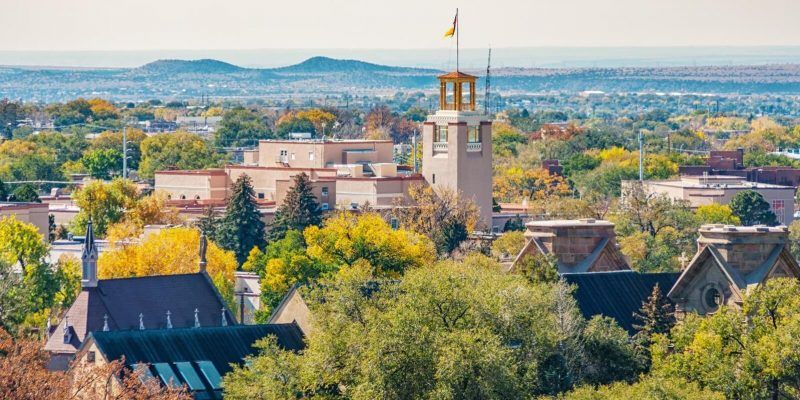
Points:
[(457, 145)]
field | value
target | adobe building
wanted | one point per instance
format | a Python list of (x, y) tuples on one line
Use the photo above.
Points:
[(457, 145), (731, 163), (704, 190), (730, 261), (584, 245), (36, 214)]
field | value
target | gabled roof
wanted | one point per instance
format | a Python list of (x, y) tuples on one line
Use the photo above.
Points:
[(739, 283), (192, 348), (122, 300), (616, 294), (457, 75)]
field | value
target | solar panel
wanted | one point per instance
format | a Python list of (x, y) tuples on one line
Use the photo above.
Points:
[(210, 372), (189, 376), (167, 375)]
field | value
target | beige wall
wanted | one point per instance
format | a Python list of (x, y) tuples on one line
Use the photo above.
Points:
[(283, 186), (265, 180), (456, 165), (36, 214), (190, 185), (319, 154)]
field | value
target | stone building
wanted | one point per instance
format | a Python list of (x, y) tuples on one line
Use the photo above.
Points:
[(584, 245), (730, 261)]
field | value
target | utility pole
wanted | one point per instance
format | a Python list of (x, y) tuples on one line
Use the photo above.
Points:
[(414, 149), (641, 157), (125, 152)]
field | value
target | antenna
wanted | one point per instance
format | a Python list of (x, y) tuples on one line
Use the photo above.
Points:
[(488, 82)]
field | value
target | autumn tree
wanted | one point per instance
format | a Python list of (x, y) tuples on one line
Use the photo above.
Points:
[(716, 213), (240, 127), (103, 203), (443, 215), (646, 388), (170, 251), (509, 244), (177, 150), (241, 228), (751, 209), (299, 209)]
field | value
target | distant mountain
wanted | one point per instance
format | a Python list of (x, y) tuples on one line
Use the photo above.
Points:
[(204, 66), (323, 65)]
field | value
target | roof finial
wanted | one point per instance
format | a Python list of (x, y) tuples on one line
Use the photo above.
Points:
[(105, 323), (141, 321), (169, 320), (196, 319), (203, 247), (224, 320)]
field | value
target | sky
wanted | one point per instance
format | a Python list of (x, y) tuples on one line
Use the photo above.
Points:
[(121, 25)]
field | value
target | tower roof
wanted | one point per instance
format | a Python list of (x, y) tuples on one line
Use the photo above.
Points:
[(89, 246), (457, 75)]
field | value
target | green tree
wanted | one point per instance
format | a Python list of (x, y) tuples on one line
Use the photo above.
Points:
[(178, 150), (649, 388), (103, 203), (3, 191), (752, 209), (26, 193), (609, 354), (102, 163), (9, 114), (744, 353), (538, 267), (656, 317), (716, 213), (240, 127), (299, 209), (241, 228)]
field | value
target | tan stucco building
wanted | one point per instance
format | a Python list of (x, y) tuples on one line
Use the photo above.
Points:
[(36, 214), (704, 190)]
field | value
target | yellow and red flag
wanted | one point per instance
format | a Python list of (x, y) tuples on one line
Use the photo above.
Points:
[(452, 31)]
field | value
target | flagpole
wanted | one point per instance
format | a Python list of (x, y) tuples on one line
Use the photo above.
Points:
[(458, 30)]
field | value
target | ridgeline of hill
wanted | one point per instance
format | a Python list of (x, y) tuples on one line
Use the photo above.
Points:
[(323, 75)]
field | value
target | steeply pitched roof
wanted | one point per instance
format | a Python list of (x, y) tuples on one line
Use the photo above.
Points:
[(221, 346), (616, 294), (122, 300)]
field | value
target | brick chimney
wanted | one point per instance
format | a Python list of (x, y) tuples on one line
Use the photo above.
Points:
[(744, 248), (578, 241)]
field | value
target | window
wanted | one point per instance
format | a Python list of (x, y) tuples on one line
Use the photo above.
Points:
[(190, 376), (440, 135), (712, 298), (167, 375), (324, 191), (210, 373), (778, 207), (433, 179), (292, 156), (183, 197), (260, 195), (310, 156), (197, 197), (90, 357), (395, 224), (474, 134)]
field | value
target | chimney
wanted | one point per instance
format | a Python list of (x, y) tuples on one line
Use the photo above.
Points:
[(203, 247), (89, 259), (572, 242), (744, 248)]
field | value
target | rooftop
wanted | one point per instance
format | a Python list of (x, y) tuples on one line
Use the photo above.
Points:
[(716, 182), (720, 228), (566, 223)]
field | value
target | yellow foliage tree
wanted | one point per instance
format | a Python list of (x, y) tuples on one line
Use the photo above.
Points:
[(170, 251), (516, 183), (103, 109)]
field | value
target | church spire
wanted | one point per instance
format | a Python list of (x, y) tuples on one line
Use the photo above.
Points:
[(89, 259)]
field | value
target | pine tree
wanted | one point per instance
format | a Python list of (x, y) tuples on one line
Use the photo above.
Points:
[(241, 228), (298, 211), (657, 316)]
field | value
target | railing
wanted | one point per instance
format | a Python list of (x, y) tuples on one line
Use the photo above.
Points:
[(440, 147), (474, 147), (464, 107)]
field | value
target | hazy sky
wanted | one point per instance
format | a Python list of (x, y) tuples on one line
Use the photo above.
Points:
[(342, 24)]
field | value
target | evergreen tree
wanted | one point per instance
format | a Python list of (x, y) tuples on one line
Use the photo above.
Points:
[(298, 211), (657, 316), (208, 223), (241, 228), (25, 193), (3, 191), (752, 209)]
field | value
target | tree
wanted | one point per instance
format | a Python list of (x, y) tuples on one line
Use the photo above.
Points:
[(656, 317), (178, 150), (9, 114), (514, 224), (3, 191), (103, 203), (610, 356), (647, 388), (170, 251), (112, 140), (102, 163), (23, 160), (241, 228), (442, 215), (449, 330), (744, 353), (24, 375), (298, 210), (240, 127), (538, 267), (509, 244), (751, 209), (25, 193), (515, 184), (716, 213)]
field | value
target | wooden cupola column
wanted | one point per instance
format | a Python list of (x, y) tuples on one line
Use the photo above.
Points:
[(454, 83)]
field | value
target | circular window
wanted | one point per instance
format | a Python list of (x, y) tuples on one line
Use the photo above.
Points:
[(712, 298)]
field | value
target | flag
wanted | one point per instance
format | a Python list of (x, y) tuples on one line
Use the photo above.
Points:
[(452, 31)]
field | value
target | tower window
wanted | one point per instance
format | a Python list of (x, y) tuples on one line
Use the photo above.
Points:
[(474, 134), (433, 178), (440, 134)]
